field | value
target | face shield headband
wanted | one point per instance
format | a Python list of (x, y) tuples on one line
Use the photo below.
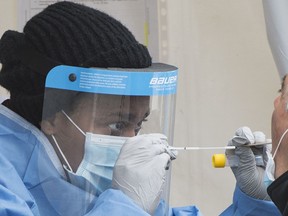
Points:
[(158, 79)]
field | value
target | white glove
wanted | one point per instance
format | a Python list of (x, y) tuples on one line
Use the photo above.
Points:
[(140, 169), (249, 177)]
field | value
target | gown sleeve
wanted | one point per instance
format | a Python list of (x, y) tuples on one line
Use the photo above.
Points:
[(244, 205), (14, 198), (114, 202)]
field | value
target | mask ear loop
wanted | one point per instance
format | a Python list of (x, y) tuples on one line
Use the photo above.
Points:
[(278, 145), (57, 145), (62, 154), (73, 122)]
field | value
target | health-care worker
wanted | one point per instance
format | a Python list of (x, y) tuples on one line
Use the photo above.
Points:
[(86, 154)]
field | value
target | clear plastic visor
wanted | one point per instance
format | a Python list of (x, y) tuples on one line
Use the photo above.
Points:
[(116, 102), (113, 102)]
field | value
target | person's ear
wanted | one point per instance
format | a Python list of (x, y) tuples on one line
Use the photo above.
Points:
[(47, 126)]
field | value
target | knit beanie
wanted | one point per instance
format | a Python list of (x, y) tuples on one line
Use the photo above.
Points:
[(64, 33)]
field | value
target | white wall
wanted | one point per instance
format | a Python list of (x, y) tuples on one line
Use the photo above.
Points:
[(227, 79)]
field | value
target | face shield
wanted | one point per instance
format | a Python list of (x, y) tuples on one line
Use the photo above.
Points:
[(84, 106)]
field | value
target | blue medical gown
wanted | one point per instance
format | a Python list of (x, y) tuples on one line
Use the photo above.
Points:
[(245, 205), (32, 181)]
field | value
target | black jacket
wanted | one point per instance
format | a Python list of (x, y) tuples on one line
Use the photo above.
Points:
[(278, 191)]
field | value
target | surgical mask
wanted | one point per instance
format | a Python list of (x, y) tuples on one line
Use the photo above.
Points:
[(270, 166), (96, 167)]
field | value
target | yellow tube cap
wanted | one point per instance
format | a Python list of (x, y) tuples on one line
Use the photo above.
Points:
[(219, 160)]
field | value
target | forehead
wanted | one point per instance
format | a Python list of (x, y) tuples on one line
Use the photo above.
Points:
[(108, 103), (111, 108)]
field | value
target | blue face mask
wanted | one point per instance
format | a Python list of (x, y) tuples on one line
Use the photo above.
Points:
[(270, 166), (95, 171), (269, 170)]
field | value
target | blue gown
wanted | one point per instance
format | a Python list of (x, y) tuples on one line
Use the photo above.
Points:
[(33, 183)]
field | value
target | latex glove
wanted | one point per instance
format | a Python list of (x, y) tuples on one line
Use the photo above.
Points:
[(249, 177), (140, 170)]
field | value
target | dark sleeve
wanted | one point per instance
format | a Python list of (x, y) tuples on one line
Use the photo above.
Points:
[(278, 191)]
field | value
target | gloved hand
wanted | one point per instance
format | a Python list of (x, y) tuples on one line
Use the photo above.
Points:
[(249, 177), (140, 170)]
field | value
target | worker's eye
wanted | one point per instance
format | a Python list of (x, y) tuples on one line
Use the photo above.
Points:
[(117, 126)]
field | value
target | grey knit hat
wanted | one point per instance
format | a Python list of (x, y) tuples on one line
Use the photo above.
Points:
[(64, 33)]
